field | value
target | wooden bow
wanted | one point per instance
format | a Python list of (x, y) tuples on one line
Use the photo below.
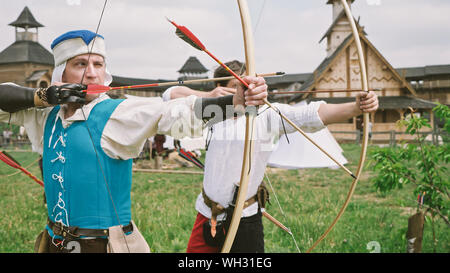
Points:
[(249, 128), (365, 139)]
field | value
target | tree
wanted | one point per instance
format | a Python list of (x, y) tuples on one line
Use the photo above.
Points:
[(419, 163)]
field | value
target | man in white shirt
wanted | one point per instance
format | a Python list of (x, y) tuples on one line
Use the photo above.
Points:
[(7, 137), (226, 145), (88, 142)]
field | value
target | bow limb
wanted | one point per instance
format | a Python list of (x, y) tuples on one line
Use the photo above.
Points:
[(365, 140), (249, 128)]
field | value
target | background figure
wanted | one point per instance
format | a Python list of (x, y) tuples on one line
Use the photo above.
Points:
[(7, 137), (158, 144)]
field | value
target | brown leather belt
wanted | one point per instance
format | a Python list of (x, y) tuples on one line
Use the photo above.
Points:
[(76, 232), (217, 209)]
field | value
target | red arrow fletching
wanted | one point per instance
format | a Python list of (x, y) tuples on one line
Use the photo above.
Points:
[(13, 163), (190, 38), (9, 160), (185, 34), (97, 88)]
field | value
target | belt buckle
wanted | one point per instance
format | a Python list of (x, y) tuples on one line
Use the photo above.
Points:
[(64, 231), (69, 233)]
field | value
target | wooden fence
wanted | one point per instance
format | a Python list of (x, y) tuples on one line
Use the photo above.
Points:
[(391, 137)]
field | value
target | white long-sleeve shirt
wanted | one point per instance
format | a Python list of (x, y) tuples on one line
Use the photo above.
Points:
[(224, 156), (131, 123)]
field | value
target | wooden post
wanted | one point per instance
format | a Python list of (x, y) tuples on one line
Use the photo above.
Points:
[(348, 70), (393, 138), (434, 136), (414, 235), (394, 133), (158, 162), (150, 149)]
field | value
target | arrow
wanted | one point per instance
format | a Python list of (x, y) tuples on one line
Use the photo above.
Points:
[(190, 157), (276, 222), (96, 88), (8, 159), (186, 35)]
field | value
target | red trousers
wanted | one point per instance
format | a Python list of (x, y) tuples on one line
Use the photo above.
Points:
[(249, 236), (196, 242)]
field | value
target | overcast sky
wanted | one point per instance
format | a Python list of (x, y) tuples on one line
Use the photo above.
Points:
[(142, 44)]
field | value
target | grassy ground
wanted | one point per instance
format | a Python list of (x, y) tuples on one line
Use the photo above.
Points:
[(163, 209)]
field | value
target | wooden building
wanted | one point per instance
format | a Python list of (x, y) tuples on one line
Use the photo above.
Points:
[(26, 62), (396, 88), (431, 82), (192, 69)]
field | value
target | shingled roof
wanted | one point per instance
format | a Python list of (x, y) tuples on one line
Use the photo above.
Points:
[(26, 19), (36, 75), (26, 52), (193, 65), (424, 71), (331, 1), (288, 78)]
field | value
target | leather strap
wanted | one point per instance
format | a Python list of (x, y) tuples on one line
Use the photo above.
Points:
[(76, 232), (217, 209)]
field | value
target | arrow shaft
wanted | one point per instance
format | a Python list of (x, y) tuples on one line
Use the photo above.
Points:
[(276, 222), (32, 176), (172, 83), (227, 68)]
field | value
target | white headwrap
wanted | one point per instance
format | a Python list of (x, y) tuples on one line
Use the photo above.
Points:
[(74, 43)]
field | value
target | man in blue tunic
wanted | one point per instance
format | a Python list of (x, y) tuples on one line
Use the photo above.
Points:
[(88, 142)]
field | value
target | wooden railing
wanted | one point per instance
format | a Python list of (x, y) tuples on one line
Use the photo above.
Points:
[(391, 137)]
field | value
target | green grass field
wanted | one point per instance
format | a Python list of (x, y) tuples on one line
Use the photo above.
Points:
[(163, 209)]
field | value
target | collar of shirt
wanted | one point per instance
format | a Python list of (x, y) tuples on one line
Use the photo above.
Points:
[(78, 115)]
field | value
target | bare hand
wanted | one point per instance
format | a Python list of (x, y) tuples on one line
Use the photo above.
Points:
[(255, 95), (367, 102), (221, 91)]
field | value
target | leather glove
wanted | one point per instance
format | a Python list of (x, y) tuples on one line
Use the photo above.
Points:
[(54, 95)]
